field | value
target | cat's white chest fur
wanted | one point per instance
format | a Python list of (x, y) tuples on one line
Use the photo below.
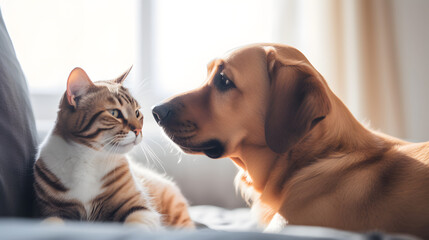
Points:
[(78, 167)]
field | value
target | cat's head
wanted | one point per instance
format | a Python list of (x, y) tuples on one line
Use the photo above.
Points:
[(101, 115)]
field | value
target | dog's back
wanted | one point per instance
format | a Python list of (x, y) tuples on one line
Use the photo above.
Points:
[(385, 190)]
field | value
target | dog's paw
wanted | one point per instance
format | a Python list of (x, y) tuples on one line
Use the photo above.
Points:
[(276, 225)]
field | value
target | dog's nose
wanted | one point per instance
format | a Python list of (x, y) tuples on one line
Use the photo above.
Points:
[(161, 113)]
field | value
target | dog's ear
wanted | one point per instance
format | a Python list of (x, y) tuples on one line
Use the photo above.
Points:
[(297, 102)]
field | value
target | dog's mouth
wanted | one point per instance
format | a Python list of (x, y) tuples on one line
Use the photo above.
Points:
[(183, 136), (212, 148)]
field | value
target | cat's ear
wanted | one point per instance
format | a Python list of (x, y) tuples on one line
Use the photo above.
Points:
[(121, 78), (78, 84)]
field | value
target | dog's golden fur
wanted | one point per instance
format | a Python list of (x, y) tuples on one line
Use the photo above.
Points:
[(301, 153)]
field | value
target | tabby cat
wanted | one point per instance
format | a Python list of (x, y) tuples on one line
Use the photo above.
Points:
[(82, 172)]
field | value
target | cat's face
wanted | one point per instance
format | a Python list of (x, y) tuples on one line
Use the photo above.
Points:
[(101, 115)]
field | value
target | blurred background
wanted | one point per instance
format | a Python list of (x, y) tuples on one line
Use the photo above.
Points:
[(374, 55)]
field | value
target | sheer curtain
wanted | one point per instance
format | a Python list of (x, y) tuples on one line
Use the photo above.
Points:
[(352, 43)]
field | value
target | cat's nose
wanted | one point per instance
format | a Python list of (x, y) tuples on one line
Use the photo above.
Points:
[(137, 131), (161, 113)]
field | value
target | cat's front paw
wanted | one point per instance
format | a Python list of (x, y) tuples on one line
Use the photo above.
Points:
[(145, 219), (53, 220)]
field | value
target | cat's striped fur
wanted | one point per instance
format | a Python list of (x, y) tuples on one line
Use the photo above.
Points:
[(82, 173)]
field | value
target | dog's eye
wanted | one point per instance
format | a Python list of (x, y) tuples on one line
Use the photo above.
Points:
[(223, 83)]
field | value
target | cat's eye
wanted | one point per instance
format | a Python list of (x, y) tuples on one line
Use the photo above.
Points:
[(115, 113), (137, 113)]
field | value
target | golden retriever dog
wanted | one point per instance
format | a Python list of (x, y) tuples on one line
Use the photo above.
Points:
[(304, 158)]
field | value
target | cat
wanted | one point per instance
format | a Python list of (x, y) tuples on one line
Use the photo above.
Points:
[(82, 171)]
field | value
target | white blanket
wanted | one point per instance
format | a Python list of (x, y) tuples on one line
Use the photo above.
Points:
[(238, 219)]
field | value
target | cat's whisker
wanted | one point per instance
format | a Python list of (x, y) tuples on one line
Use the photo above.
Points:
[(144, 152), (174, 149), (148, 162), (152, 153), (153, 157), (110, 156), (111, 151), (111, 161), (107, 141), (108, 146), (159, 145)]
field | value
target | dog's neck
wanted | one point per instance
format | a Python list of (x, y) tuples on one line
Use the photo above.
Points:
[(270, 172)]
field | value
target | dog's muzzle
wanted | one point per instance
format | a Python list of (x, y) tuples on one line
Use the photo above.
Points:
[(165, 116)]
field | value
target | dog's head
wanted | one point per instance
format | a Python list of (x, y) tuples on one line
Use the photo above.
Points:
[(260, 96)]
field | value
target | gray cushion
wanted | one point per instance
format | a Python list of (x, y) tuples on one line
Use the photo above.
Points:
[(33, 230), (17, 133)]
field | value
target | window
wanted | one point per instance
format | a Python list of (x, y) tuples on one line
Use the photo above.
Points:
[(169, 42), (185, 40), (52, 37)]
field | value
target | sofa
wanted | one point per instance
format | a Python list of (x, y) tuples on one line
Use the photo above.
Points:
[(18, 146)]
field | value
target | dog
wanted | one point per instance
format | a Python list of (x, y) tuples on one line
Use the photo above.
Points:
[(303, 158)]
